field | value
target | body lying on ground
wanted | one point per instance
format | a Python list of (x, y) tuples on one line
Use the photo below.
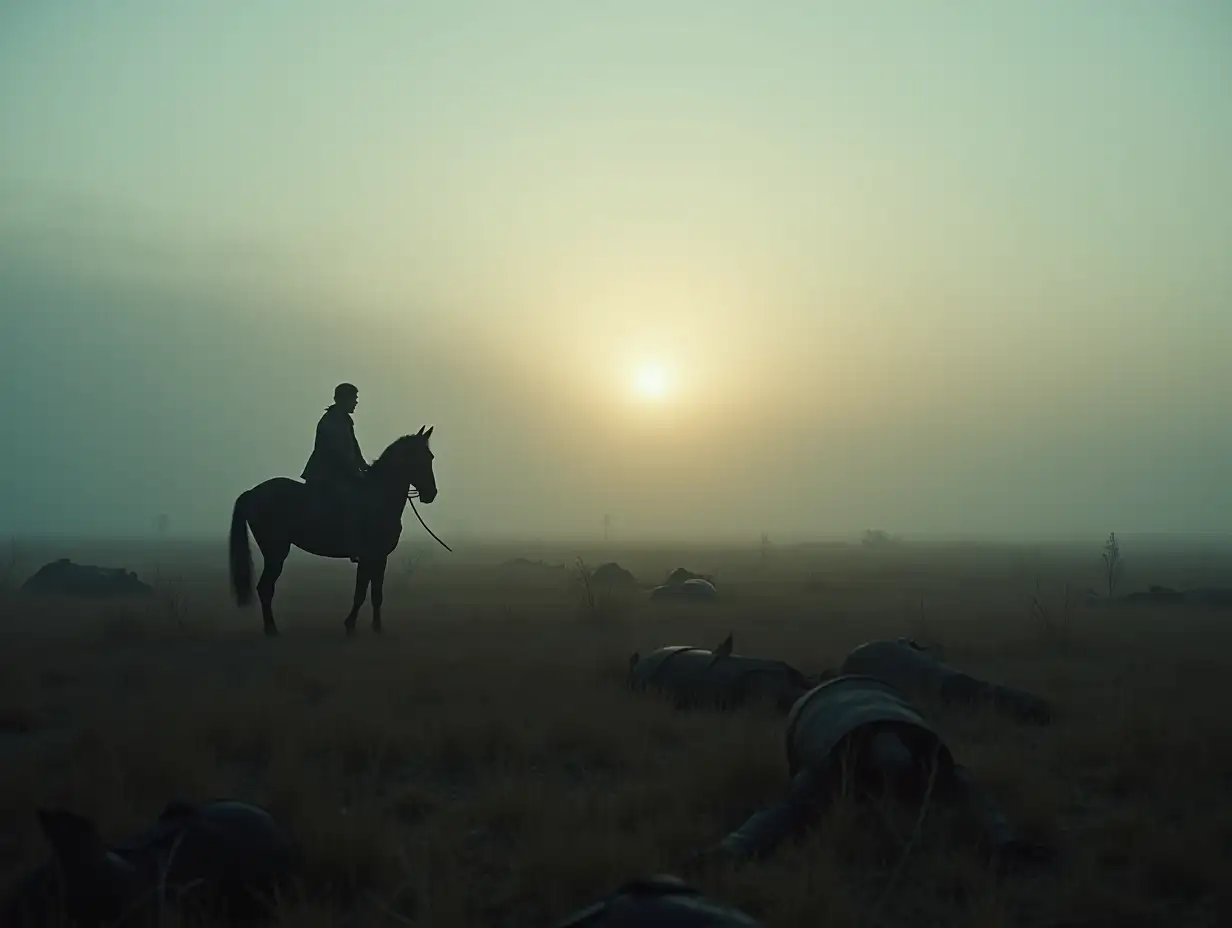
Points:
[(224, 856), (662, 902), (860, 736), (915, 671), (694, 589), (696, 676)]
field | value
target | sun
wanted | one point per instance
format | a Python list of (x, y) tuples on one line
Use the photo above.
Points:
[(650, 381)]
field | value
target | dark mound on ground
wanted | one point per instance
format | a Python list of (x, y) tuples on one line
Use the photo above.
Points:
[(683, 574), (64, 578), (1214, 597), (612, 575), (224, 856)]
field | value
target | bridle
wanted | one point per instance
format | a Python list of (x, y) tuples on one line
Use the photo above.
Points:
[(410, 498)]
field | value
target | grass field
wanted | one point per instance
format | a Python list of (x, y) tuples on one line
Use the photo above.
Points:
[(482, 763)]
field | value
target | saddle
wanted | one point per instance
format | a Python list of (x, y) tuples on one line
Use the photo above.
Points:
[(345, 510), (327, 498)]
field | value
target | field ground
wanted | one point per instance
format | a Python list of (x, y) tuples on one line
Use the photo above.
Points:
[(483, 764)]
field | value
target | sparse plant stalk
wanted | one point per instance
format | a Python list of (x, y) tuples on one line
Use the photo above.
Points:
[(1040, 610), (588, 593), (597, 603), (1113, 563)]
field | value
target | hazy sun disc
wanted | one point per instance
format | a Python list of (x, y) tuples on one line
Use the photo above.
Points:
[(650, 382)]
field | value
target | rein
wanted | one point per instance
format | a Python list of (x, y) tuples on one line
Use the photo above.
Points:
[(410, 498)]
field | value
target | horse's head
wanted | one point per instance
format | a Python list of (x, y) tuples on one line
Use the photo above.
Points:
[(409, 460), (419, 464)]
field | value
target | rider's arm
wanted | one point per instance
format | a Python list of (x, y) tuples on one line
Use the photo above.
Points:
[(354, 454)]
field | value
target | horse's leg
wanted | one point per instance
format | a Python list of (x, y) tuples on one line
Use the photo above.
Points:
[(274, 556), (361, 593), (378, 592)]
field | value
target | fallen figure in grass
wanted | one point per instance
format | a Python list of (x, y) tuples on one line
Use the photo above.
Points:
[(682, 585), (915, 671), (724, 679), (692, 591), (720, 678), (662, 902), (225, 857), (857, 736)]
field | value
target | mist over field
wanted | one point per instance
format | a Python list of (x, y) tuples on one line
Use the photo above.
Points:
[(830, 429), (957, 272)]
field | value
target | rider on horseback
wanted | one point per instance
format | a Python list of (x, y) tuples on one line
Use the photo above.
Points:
[(337, 466)]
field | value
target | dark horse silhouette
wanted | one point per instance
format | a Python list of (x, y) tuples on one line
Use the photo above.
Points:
[(283, 512)]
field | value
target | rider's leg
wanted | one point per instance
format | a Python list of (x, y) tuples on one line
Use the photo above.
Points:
[(352, 520)]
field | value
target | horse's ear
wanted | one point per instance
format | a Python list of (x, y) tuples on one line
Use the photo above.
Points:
[(428, 434), (420, 432)]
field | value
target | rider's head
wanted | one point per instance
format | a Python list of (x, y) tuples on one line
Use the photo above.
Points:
[(346, 397)]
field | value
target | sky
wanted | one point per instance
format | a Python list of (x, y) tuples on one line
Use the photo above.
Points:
[(951, 268)]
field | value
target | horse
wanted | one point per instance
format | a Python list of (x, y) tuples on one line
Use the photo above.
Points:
[(280, 513)]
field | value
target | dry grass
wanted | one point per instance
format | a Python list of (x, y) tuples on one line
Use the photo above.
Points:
[(483, 764)]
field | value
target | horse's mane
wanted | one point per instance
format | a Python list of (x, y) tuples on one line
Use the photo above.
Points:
[(396, 451)]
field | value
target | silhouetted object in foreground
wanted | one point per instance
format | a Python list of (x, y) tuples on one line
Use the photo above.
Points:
[(694, 589), (64, 578), (720, 678), (281, 513), (225, 857), (659, 902), (863, 737), (612, 575), (917, 672), (1201, 597)]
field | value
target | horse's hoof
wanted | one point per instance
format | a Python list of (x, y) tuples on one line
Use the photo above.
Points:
[(271, 631), (350, 630), (376, 628)]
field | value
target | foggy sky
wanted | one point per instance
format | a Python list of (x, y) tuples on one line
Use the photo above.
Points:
[(955, 268)]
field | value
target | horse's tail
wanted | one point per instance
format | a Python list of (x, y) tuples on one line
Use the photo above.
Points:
[(241, 554)]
